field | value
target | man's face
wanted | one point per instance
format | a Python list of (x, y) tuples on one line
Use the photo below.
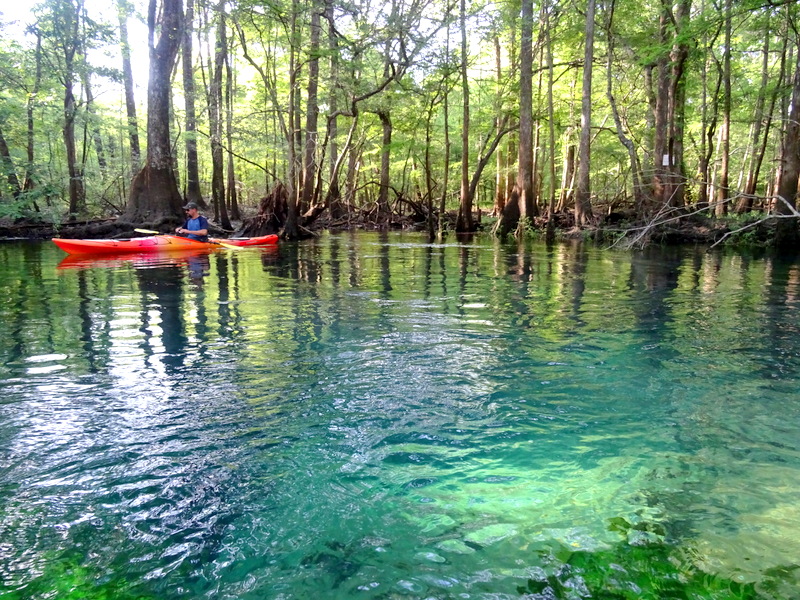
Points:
[(191, 213)]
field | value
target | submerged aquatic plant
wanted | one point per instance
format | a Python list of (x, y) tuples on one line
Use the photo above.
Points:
[(641, 566), (68, 577)]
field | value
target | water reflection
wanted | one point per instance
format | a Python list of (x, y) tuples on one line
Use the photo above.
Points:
[(376, 415), (143, 260)]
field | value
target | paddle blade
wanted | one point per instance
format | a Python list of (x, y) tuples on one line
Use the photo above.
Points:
[(150, 231), (229, 246)]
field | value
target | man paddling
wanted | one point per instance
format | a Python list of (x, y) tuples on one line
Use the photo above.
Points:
[(195, 226)]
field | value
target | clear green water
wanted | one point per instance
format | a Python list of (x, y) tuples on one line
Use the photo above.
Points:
[(370, 416)]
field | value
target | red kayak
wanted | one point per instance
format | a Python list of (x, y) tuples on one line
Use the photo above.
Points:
[(155, 243), (262, 240)]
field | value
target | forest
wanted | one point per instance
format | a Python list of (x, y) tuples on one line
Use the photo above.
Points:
[(511, 117)]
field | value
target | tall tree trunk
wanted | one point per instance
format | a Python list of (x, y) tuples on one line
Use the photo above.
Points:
[(464, 220), (154, 198), (786, 235), (77, 192), (520, 203), (583, 203), (668, 175), (68, 17), (428, 168), (446, 115), (291, 229), (723, 192), (334, 193), (232, 190), (551, 129), (500, 192), (677, 105), (124, 10), (215, 107), (312, 111), (524, 184), (708, 122), (193, 192), (536, 146)]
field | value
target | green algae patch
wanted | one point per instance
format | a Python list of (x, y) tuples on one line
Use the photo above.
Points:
[(643, 566)]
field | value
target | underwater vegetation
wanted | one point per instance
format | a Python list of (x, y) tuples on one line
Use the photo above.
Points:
[(645, 566)]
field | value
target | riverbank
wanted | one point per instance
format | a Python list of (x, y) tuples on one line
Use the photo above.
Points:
[(737, 230)]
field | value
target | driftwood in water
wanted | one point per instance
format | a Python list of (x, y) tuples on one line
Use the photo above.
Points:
[(271, 217)]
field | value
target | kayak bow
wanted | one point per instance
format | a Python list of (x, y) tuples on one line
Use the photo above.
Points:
[(153, 243)]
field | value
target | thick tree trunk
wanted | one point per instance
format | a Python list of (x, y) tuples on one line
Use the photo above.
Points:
[(154, 197), (787, 236), (677, 105), (669, 102), (524, 183), (583, 203), (523, 192)]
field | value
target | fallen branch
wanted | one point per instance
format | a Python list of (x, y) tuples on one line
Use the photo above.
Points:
[(663, 218)]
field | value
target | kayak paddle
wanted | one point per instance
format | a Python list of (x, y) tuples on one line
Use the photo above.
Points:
[(223, 244)]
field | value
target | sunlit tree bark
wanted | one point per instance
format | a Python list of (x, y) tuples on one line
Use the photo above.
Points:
[(232, 197), (787, 236), (154, 197), (500, 191), (464, 221)]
